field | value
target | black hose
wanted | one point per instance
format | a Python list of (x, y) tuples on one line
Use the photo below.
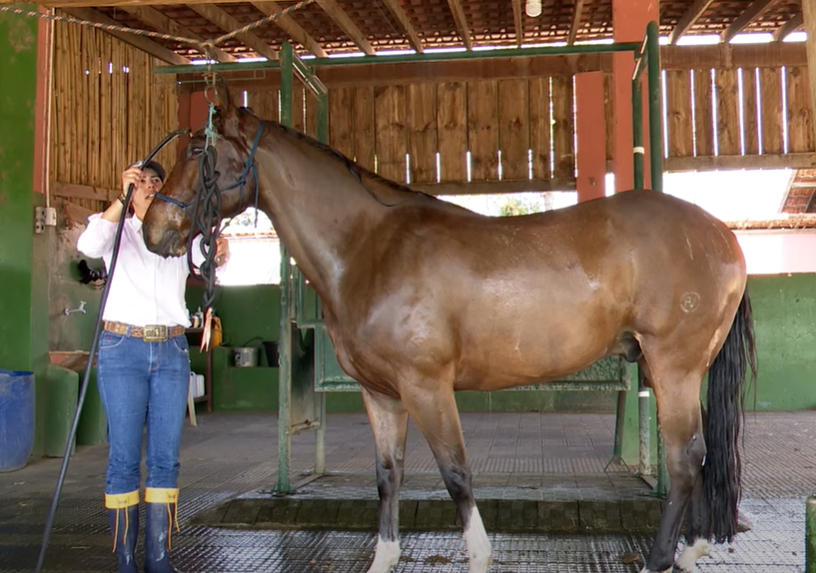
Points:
[(49, 524)]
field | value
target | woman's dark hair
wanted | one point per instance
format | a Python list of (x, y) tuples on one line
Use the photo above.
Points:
[(152, 165)]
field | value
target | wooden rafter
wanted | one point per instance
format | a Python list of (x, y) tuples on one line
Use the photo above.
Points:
[(689, 19), (461, 22), (227, 23), (162, 23), (398, 13), (288, 25), (790, 26), (744, 20), (351, 30), (576, 21), (518, 22), (145, 44)]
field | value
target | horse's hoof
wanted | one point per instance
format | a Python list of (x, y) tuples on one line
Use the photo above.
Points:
[(743, 523), (386, 556), (480, 564)]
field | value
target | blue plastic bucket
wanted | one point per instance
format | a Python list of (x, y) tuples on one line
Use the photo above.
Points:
[(16, 418)]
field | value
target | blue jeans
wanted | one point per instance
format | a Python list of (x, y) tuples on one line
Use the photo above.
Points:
[(143, 383)]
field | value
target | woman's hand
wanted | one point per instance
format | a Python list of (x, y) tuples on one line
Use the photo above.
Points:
[(222, 252)]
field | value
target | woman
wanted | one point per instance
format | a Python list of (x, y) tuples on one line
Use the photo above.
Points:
[(143, 371)]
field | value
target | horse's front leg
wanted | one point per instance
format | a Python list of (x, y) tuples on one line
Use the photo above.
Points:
[(389, 423), (433, 408)]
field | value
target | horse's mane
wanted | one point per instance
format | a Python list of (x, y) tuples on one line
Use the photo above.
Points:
[(348, 163)]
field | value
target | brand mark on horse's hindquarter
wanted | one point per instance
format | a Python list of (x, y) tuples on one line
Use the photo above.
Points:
[(689, 302)]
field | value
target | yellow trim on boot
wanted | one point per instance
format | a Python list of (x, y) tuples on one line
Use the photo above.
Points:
[(121, 500), (161, 495)]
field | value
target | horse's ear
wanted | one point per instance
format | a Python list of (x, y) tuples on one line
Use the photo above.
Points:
[(220, 95)]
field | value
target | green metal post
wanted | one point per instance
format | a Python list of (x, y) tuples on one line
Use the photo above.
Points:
[(637, 132), (284, 486), (655, 127), (810, 535)]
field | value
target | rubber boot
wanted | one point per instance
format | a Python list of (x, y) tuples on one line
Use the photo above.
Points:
[(160, 519), (123, 518)]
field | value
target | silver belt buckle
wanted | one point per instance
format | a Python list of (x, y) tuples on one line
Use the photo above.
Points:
[(155, 333)]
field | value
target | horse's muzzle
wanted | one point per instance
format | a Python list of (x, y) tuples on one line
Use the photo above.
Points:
[(170, 245)]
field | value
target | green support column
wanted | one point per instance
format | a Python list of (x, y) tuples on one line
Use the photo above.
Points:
[(810, 535), (23, 256)]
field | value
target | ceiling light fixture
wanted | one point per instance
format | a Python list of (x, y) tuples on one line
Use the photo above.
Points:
[(533, 8)]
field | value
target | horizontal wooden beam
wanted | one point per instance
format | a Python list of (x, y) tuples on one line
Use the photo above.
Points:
[(750, 14), (688, 19), (162, 23), (145, 44), (288, 25), (228, 23), (788, 27), (732, 56), (339, 16), (430, 72), (767, 161), (73, 191), (496, 187)]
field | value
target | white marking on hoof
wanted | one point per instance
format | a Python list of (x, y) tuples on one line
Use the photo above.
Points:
[(479, 550), (690, 554), (386, 556)]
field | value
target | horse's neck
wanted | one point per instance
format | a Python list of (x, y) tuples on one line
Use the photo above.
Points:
[(320, 212)]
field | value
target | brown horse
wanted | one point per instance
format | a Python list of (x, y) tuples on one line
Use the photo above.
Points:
[(423, 298)]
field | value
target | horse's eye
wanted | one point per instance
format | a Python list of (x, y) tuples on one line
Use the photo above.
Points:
[(196, 151)]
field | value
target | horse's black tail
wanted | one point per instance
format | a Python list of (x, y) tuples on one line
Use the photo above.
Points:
[(722, 471)]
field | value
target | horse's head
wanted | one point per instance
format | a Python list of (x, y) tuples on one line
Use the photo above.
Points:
[(168, 222)]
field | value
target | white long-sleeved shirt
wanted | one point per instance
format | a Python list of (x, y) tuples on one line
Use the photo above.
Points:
[(146, 288)]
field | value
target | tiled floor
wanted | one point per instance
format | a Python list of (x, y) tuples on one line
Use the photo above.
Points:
[(517, 456)]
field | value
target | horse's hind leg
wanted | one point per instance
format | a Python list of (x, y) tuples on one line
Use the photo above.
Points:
[(389, 423), (678, 408), (697, 524), (433, 408)]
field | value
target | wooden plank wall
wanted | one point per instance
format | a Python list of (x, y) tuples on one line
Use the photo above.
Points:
[(509, 130), (738, 114), (109, 109)]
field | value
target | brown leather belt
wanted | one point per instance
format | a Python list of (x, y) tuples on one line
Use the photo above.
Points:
[(149, 333)]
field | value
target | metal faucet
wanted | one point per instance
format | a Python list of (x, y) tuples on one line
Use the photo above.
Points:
[(81, 309)]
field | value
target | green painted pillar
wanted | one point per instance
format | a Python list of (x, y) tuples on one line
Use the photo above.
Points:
[(810, 535), (23, 268)]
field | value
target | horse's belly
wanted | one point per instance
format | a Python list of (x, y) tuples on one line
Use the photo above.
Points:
[(500, 366)]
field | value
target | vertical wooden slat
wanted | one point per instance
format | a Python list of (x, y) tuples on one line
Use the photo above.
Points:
[(563, 127), (264, 103), (312, 109), (703, 114), (728, 136), (95, 106), (540, 126), (483, 133), (514, 133), (800, 113), (422, 132), (341, 120), (451, 122), (609, 119), (364, 146), (771, 94), (298, 120), (391, 132), (749, 107), (681, 137)]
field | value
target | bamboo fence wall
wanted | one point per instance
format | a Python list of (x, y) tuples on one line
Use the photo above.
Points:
[(109, 110)]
